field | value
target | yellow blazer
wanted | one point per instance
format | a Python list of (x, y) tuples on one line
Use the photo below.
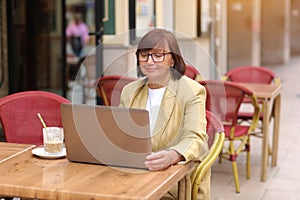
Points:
[(181, 123)]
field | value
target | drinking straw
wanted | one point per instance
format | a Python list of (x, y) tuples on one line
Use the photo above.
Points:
[(44, 125)]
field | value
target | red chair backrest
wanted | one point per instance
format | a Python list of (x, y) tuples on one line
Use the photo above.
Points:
[(251, 74), (109, 88), (224, 99), (191, 72), (213, 126), (18, 115)]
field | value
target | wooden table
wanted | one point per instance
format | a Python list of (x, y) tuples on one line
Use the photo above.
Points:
[(270, 94), (9, 150), (25, 175)]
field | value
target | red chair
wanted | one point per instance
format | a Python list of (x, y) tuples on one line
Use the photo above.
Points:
[(215, 132), (109, 88), (18, 115), (192, 73), (252, 74), (224, 100)]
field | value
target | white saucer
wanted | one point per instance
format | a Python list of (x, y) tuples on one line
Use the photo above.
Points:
[(40, 152)]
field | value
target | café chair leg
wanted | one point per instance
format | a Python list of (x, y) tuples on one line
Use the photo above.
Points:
[(236, 177)]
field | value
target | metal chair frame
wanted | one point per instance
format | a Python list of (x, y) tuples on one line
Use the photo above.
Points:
[(215, 131)]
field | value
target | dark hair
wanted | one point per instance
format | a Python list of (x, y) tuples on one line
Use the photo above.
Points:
[(162, 39)]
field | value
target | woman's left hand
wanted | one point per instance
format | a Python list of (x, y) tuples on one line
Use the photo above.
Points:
[(162, 159)]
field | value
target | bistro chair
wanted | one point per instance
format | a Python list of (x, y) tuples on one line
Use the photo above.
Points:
[(216, 135), (192, 72), (224, 100), (109, 88), (18, 115), (252, 74)]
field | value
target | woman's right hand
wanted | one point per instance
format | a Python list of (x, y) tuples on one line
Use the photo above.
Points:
[(162, 159)]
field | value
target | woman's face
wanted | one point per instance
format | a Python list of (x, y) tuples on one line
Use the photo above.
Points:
[(156, 64)]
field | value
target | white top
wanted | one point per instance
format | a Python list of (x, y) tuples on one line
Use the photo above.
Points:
[(153, 104)]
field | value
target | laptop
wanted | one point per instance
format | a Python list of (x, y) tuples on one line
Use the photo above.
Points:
[(106, 135)]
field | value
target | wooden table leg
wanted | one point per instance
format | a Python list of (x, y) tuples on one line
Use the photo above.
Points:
[(188, 187), (277, 104), (265, 142), (181, 188)]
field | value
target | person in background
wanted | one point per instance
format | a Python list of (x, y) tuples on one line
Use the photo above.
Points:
[(77, 34), (176, 105)]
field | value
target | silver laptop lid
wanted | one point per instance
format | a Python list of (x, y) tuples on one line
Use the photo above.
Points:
[(106, 135)]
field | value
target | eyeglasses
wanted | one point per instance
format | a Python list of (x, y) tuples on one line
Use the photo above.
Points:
[(156, 57)]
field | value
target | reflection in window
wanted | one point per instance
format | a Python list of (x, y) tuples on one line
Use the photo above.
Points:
[(145, 15)]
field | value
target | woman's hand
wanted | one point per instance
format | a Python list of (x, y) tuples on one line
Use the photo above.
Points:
[(162, 159)]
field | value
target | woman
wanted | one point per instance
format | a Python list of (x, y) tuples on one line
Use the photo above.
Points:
[(176, 103), (77, 34)]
